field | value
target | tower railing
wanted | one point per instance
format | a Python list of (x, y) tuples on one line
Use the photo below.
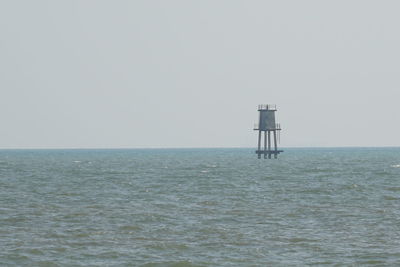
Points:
[(267, 107), (277, 127)]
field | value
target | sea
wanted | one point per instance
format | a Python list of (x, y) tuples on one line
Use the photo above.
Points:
[(200, 207)]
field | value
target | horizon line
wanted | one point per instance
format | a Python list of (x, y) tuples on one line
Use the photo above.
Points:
[(151, 148)]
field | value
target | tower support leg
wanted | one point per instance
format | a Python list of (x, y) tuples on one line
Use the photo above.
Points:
[(259, 145), (276, 146), (265, 144), (269, 144)]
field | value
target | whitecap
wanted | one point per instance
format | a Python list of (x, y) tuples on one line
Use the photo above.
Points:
[(395, 166)]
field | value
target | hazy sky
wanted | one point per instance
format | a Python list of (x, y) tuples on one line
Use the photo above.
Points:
[(85, 74)]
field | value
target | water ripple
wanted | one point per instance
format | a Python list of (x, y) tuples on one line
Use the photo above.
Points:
[(212, 207)]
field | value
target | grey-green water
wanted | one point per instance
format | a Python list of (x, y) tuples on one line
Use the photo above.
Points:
[(199, 207)]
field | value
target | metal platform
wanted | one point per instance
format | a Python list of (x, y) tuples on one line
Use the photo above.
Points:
[(276, 128)]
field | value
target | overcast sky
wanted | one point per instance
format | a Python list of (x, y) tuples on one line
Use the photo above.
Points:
[(113, 74)]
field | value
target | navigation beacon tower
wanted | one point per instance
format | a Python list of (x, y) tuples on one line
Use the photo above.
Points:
[(266, 124)]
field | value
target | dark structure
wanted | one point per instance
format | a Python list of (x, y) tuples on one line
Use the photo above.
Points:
[(266, 124)]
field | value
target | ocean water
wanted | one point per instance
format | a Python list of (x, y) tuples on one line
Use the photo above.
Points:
[(200, 207)]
